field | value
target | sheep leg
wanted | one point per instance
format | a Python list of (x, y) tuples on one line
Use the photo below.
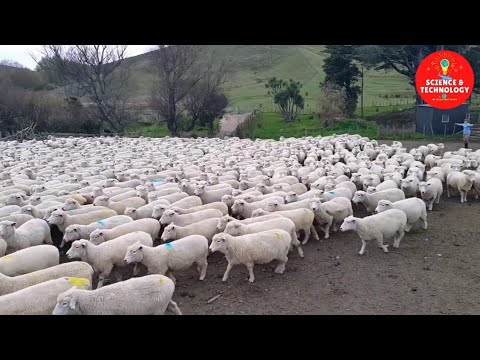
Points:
[(424, 220), (448, 190), (101, 278), (314, 233), (62, 244), (399, 236), (465, 196), (306, 236), (225, 275), (430, 204), (438, 199), (202, 269), (250, 272), (380, 243), (281, 265), (408, 227), (173, 308), (362, 250)]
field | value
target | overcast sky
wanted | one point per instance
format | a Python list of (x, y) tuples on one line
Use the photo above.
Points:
[(21, 53)]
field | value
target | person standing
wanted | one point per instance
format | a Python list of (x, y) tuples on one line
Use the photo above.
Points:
[(466, 131)]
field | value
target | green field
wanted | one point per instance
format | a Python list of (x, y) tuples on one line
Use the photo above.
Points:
[(253, 65)]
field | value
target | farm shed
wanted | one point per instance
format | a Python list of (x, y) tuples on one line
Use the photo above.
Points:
[(430, 120)]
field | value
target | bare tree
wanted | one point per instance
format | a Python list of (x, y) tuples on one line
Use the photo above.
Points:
[(333, 103), (185, 77), (97, 72)]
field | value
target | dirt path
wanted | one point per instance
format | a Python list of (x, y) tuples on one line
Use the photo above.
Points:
[(229, 123)]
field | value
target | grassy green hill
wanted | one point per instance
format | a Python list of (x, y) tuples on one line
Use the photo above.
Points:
[(253, 65)]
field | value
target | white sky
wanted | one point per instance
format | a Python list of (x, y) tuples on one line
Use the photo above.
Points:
[(21, 53)]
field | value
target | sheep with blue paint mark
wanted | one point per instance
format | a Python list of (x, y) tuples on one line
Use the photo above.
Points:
[(150, 226), (77, 231), (177, 255), (105, 256)]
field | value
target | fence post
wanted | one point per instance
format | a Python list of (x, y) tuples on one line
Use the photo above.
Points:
[(378, 131)]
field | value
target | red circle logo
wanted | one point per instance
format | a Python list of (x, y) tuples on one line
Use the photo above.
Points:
[(444, 79)]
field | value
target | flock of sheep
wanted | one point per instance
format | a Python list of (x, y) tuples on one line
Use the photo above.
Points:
[(254, 201)]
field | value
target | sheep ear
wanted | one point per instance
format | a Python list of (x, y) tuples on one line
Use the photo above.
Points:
[(140, 248), (73, 302), (13, 224), (84, 245)]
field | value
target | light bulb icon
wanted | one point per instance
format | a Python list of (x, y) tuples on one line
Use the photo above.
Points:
[(444, 64)]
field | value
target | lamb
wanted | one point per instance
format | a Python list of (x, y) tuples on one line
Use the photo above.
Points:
[(63, 220), (119, 206), (39, 299), (242, 208), (207, 228), (33, 232), (147, 295), (371, 200), (430, 191), (105, 256), (9, 210), (303, 219), (177, 255), (77, 232), (149, 226), (170, 216), (29, 260), (388, 224), (18, 219), (145, 211), (236, 228), (462, 182), (277, 206), (331, 212), (215, 205), (76, 269), (209, 196), (260, 248), (414, 208)]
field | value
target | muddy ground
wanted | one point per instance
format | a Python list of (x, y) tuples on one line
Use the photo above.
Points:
[(435, 271)]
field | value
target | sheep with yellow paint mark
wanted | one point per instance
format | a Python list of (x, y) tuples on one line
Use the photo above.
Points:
[(146, 295)]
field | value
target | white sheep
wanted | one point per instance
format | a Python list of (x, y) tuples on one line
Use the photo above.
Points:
[(303, 219), (462, 182), (18, 219), (77, 232), (207, 228), (149, 226), (39, 299), (33, 232), (75, 269), (331, 212), (105, 256), (209, 196), (222, 207), (387, 184), (145, 211), (147, 295), (9, 209), (260, 248), (177, 255), (371, 200), (386, 225), (3, 247), (237, 228), (340, 192), (170, 216), (414, 208), (274, 205), (29, 260), (242, 208), (430, 191), (119, 206), (182, 200)]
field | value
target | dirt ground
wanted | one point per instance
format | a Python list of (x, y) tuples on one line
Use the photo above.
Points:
[(435, 271)]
